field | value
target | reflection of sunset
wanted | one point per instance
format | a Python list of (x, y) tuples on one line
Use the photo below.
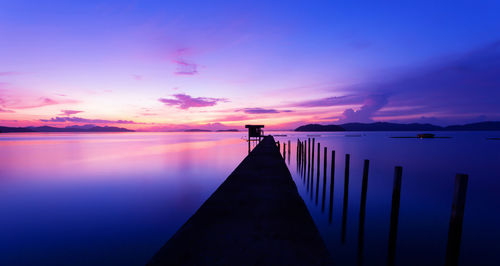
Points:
[(54, 154)]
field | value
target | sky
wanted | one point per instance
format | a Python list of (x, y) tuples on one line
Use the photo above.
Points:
[(170, 65)]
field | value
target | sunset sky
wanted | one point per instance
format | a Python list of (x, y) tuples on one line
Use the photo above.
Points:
[(164, 65)]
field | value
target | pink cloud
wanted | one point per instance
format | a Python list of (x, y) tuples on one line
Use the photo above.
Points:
[(182, 52), (59, 119), (40, 102), (263, 111), (5, 111), (69, 112), (232, 118), (184, 101), (183, 127)]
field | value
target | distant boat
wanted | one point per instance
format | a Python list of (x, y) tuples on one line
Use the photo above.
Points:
[(425, 136)]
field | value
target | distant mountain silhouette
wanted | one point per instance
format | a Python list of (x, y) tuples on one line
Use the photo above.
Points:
[(490, 125), (15, 129), (385, 126), (197, 130), (227, 130), (88, 126), (317, 127), (85, 128)]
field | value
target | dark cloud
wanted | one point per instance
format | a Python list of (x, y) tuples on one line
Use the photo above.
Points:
[(184, 101), (467, 84), (331, 101), (452, 89), (59, 119), (69, 112), (371, 105), (263, 111)]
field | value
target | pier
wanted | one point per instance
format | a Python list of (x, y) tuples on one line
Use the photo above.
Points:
[(255, 217)]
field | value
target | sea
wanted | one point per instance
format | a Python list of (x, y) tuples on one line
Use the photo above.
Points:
[(116, 198)]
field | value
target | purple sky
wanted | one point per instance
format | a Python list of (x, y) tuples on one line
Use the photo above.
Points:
[(161, 65)]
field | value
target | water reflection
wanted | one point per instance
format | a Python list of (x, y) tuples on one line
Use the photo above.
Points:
[(346, 197), (362, 212), (396, 195), (104, 199), (398, 220)]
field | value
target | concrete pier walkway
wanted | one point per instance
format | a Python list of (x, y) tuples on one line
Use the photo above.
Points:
[(256, 217)]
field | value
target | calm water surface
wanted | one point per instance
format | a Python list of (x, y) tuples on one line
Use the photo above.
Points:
[(104, 199), (115, 199), (429, 169)]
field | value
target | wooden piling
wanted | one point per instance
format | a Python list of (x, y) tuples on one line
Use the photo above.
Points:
[(324, 181), (332, 178), (346, 196), (297, 152), (289, 147), (456, 220), (302, 160), (312, 168), (284, 151), (362, 212), (308, 161), (305, 158), (318, 171), (396, 194)]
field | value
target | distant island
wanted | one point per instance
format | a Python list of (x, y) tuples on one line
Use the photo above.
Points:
[(385, 126), (207, 130), (197, 130), (228, 130), (85, 128)]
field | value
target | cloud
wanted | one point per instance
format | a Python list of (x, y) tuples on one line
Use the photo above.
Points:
[(39, 102), (148, 114), (182, 127), (69, 112), (184, 101), (459, 86), (232, 118), (453, 89), (263, 111), (331, 101), (59, 119), (372, 104), (5, 110), (185, 68)]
